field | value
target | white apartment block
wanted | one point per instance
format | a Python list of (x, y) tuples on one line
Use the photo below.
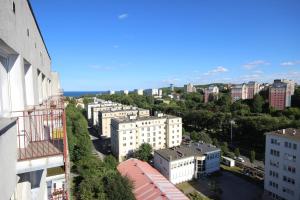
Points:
[(189, 88), (183, 163), (211, 93), (282, 164), (160, 131), (98, 103), (105, 117), (139, 91), (33, 147), (151, 92)]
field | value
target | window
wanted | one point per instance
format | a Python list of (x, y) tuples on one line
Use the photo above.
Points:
[(27, 32), (14, 7), (295, 146)]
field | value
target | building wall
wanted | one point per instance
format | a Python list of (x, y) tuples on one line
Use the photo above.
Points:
[(8, 156), (25, 71), (277, 167), (212, 162), (277, 98), (128, 136)]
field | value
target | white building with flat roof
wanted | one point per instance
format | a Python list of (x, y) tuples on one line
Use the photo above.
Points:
[(139, 91), (282, 164), (151, 92), (105, 117), (183, 163), (127, 134), (33, 147)]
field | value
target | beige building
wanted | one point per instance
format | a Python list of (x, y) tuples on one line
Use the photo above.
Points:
[(160, 131), (239, 92), (253, 89), (211, 93), (106, 116), (189, 88)]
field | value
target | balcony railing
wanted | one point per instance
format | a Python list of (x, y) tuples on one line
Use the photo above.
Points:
[(59, 194), (40, 133)]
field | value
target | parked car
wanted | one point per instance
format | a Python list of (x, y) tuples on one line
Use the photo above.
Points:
[(240, 159)]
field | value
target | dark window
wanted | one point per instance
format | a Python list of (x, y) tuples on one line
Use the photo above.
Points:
[(28, 32), (14, 7)]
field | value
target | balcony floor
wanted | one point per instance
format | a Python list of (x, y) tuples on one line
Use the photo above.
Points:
[(40, 149)]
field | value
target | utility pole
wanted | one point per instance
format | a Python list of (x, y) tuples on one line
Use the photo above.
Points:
[(231, 123)]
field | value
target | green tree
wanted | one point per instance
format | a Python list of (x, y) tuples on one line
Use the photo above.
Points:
[(257, 104), (144, 152), (252, 156), (237, 152)]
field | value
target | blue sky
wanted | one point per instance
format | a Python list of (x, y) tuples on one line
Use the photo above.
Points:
[(126, 44)]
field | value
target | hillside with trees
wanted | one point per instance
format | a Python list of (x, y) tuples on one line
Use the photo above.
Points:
[(250, 119), (93, 178)]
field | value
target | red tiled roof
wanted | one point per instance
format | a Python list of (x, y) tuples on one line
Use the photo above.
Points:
[(148, 183)]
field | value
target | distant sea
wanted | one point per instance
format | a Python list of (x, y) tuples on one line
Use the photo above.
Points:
[(81, 93)]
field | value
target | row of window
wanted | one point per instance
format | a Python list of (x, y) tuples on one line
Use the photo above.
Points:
[(289, 145), (176, 165), (290, 157), (273, 184), (289, 180), (274, 174), (275, 152), (285, 167), (213, 156)]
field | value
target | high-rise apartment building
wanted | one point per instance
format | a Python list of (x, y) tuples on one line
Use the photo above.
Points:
[(211, 93), (282, 164), (253, 89), (151, 92), (189, 88), (33, 142), (139, 91), (239, 92), (105, 117), (280, 94), (160, 131)]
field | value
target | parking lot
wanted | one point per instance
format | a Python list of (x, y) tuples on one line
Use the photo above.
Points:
[(227, 186)]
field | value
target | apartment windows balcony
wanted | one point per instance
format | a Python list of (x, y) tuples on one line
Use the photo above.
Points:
[(40, 133)]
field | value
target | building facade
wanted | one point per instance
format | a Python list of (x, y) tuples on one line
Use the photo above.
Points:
[(282, 164), (151, 92), (106, 116), (183, 163), (189, 88), (160, 131), (211, 93), (253, 89), (139, 91), (32, 118), (239, 92), (280, 94)]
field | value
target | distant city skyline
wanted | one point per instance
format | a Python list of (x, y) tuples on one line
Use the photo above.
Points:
[(115, 45)]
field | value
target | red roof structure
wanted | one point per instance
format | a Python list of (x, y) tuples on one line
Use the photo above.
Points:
[(148, 183)]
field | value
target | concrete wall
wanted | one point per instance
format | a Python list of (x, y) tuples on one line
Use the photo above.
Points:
[(8, 157)]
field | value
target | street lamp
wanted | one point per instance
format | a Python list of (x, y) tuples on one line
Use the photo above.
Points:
[(232, 122)]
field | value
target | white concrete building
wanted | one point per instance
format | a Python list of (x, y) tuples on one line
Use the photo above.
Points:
[(282, 164), (160, 131), (239, 92), (151, 92), (33, 147), (183, 163), (105, 117), (139, 91)]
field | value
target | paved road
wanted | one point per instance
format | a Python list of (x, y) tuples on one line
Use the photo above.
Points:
[(97, 144), (255, 164)]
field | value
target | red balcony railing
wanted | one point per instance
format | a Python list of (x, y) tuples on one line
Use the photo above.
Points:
[(41, 133), (59, 194)]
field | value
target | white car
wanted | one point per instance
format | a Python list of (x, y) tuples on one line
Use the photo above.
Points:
[(240, 159)]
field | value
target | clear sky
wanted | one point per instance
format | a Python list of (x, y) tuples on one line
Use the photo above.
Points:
[(126, 44)]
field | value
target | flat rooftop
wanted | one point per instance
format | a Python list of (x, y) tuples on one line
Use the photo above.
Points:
[(185, 151), (290, 133), (112, 110), (143, 118)]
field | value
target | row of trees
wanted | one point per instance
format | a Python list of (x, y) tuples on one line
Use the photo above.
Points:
[(94, 179)]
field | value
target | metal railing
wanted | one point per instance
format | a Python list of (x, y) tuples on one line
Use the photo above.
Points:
[(40, 133)]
